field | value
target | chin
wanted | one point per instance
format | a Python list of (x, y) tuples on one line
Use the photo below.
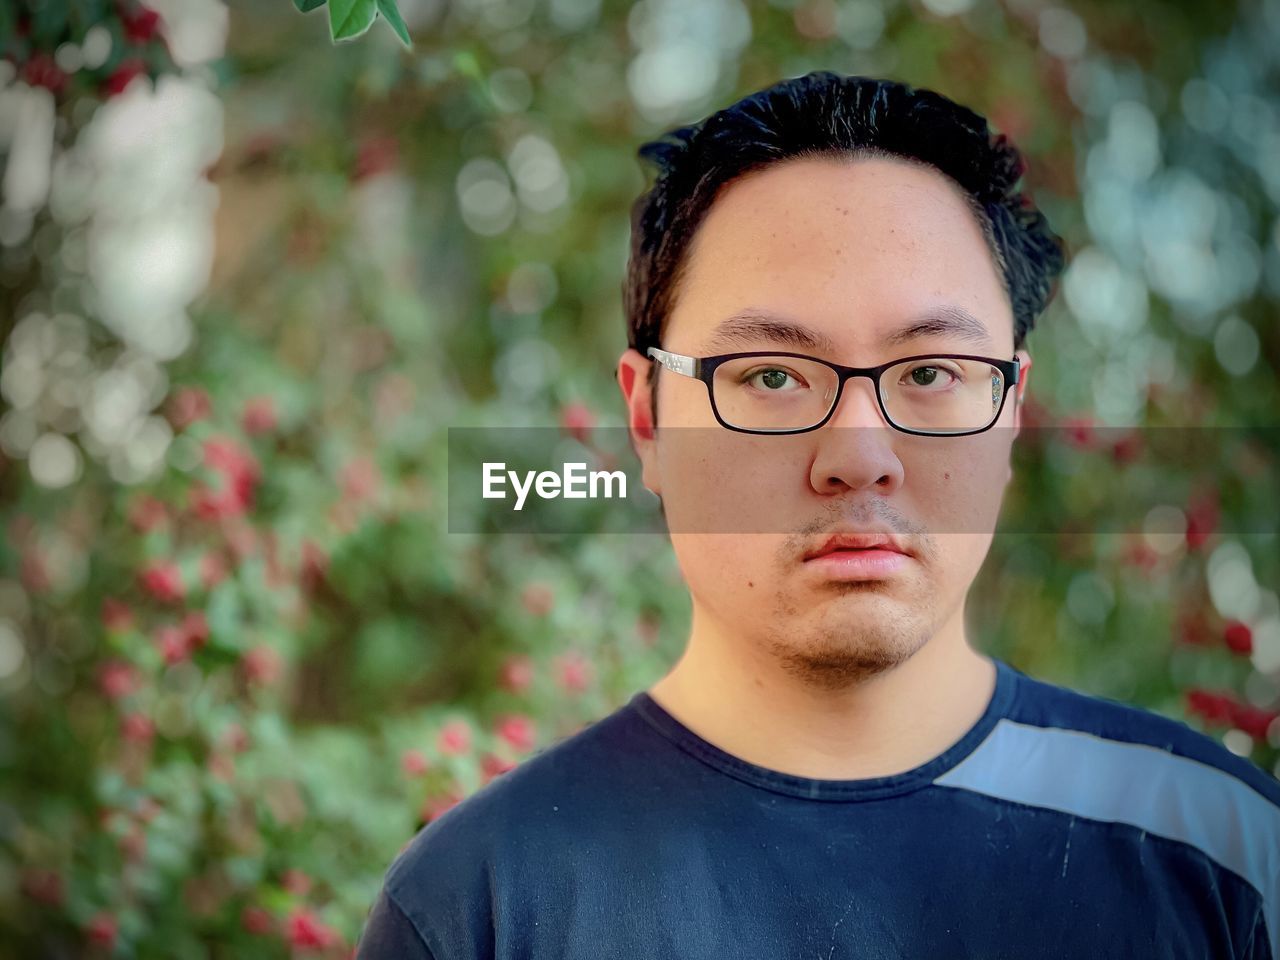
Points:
[(839, 654)]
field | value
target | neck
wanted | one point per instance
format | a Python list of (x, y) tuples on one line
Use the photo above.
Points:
[(739, 699)]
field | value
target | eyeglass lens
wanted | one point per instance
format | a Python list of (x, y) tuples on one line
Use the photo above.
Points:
[(936, 394)]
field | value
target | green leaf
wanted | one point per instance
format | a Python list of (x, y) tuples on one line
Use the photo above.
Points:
[(49, 25), (306, 6), (348, 19), (392, 15)]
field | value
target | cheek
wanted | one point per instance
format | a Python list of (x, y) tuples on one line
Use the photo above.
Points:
[(726, 571), (717, 481), (683, 402), (960, 556), (959, 485)]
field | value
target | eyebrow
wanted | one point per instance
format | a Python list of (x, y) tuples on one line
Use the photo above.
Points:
[(752, 326), (945, 320)]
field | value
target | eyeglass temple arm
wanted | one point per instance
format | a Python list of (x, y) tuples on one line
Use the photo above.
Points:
[(675, 362)]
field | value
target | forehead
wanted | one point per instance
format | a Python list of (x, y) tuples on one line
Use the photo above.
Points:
[(853, 249)]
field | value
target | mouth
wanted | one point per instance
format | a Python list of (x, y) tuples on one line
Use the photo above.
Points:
[(858, 556), (858, 543)]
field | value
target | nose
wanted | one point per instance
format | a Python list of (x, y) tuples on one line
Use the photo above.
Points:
[(858, 406), (855, 449)]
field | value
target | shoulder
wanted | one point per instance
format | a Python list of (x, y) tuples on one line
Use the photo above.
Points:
[(451, 870), (1124, 741), (1103, 759)]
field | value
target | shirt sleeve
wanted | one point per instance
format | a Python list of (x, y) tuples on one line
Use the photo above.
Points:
[(389, 934)]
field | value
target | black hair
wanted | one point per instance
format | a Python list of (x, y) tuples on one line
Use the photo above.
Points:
[(825, 114)]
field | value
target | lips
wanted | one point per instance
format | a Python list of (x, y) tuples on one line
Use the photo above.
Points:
[(856, 542)]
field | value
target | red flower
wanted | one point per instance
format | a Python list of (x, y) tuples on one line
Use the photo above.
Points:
[(117, 679), (239, 473), (137, 728), (454, 738), (516, 674), (376, 154), (259, 416), (1079, 432), (188, 405), (1254, 721), (122, 76), (414, 763), (45, 886), (573, 672), (213, 569), (34, 574), (1202, 518), (538, 599), (102, 929), (435, 806), (1216, 709), (235, 738), (148, 809), (147, 512), (209, 504), (314, 566), (242, 538), (195, 625), (262, 665), (133, 845), (1010, 117), (140, 25), (172, 641), (1193, 629), (221, 766), (1138, 553), (116, 615), (491, 765), (256, 921), (1238, 637), (42, 71), (1127, 448), (518, 730), (163, 582), (578, 420), (360, 479), (305, 931)]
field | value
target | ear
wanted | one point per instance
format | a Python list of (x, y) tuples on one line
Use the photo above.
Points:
[(1019, 396), (1020, 391), (633, 380)]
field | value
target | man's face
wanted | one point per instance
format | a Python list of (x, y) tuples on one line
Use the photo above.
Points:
[(852, 252)]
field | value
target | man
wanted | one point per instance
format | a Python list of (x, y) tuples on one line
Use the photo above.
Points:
[(836, 279)]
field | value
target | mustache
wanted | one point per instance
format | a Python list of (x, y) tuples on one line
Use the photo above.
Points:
[(862, 515)]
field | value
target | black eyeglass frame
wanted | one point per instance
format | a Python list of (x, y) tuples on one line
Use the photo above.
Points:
[(704, 368)]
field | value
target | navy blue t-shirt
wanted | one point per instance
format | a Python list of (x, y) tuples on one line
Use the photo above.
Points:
[(1060, 825)]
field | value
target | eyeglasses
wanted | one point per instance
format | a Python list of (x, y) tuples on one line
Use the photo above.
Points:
[(938, 394)]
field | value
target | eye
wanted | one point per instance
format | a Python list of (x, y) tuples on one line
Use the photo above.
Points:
[(928, 374), (772, 380)]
